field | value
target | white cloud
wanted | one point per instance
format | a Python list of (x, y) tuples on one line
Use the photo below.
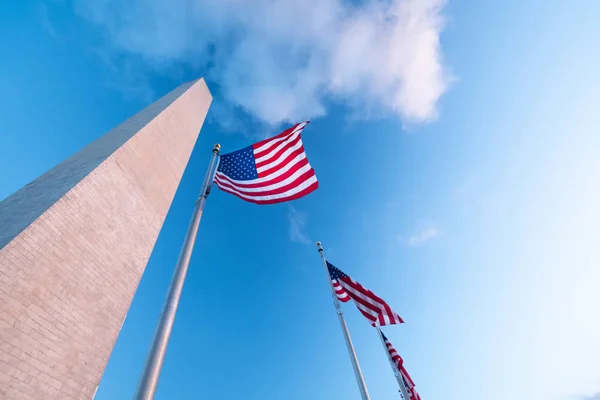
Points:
[(297, 220), (281, 59), (421, 236), (594, 397)]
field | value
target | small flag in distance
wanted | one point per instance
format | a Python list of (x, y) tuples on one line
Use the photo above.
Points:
[(408, 382)]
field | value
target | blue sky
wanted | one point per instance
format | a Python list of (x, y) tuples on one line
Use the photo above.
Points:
[(459, 180)]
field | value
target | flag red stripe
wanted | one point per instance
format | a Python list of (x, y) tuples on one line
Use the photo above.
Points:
[(363, 290), (368, 316), (367, 293), (366, 304), (295, 196), (278, 154), (279, 190), (289, 158), (408, 382), (360, 288), (390, 314), (266, 180), (340, 292), (280, 178), (380, 306), (395, 356), (273, 140), (407, 377)]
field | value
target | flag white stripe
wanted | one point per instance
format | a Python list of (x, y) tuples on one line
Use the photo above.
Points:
[(337, 285), (281, 158), (388, 319), (339, 290), (267, 178), (283, 195), (271, 142), (277, 148), (386, 316), (367, 310), (284, 182), (369, 300), (407, 380)]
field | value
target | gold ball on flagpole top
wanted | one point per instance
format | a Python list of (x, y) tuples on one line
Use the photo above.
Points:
[(217, 147), (319, 247)]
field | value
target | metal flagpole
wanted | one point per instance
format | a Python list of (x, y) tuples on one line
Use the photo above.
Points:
[(149, 377), (397, 373), (357, 372)]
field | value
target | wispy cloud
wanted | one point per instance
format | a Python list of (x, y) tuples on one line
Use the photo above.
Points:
[(43, 18), (280, 60), (297, 220), (593, 397), (124, 75), (464, 188), (420, 237)]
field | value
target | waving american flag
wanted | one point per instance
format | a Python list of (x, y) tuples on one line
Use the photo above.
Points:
[(399, 363), (271, 171), (373, 307)]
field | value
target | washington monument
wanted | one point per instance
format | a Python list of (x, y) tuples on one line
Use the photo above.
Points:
[(74, 244)]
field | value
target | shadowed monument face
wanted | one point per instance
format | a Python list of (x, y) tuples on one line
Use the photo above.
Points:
[(74, 244)]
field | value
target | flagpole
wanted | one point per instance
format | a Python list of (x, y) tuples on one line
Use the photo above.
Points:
[(397, 373), (151, 372), (357, 372)]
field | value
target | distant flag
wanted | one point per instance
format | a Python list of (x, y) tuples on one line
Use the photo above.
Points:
[(397, 360), (271, 171), (370, 305)]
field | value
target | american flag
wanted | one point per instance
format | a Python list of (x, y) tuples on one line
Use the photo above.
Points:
[(271, 171), (370, 305), (408, 382)]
